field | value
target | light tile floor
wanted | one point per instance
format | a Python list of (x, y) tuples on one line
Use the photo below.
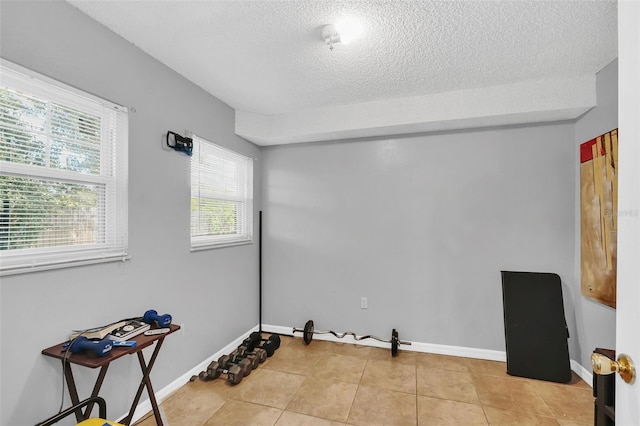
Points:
[(327, 383)]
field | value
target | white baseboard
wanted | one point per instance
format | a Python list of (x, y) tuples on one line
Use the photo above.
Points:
[(415, 346), (145, 406), (431, 348), (584, 374), (491, 355)]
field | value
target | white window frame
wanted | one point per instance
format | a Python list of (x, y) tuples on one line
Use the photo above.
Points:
[(112, 241), (204, 149)]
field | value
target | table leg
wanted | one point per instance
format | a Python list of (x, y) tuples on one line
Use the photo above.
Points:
[(146, 382), (150, 391), (73, 391), (96, 390)]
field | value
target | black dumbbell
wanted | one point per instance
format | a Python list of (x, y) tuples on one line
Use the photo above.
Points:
[(214, 370), (273, 338), (253, 341), (250, 344), (237, 355), (259, 354), (245, 364), (255, 338)]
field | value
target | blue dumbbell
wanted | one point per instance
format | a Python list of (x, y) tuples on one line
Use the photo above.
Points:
[(152, 316), (98, 347)]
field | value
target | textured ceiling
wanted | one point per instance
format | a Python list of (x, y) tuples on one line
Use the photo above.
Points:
[(268, 57)]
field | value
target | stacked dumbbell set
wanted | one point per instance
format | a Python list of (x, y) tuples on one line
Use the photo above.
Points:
[(238, 364)]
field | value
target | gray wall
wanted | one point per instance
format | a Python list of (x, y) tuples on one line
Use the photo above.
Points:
[(596, 322), (39, 309), (420, 225)]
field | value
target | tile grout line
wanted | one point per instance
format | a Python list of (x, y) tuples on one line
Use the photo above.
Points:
[(475, 390), (544, 402), (415, 366), (357, 389)]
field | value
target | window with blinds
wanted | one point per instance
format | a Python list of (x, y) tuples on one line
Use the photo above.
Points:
[(221, 196), (63, 174)]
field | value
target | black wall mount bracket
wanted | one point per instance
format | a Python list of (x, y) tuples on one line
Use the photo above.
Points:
[(180, 143)]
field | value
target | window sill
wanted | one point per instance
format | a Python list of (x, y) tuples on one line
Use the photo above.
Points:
[(221, 245), (25, 269)]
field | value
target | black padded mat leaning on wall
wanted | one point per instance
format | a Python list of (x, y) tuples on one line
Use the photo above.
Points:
[(535, 328)]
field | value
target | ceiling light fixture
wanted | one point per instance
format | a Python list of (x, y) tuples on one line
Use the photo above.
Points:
[(330, 35), (344, 31)]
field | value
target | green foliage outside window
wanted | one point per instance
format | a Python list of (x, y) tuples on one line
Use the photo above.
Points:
[(41, 212), (214, 217)]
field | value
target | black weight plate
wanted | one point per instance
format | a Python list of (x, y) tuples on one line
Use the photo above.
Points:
[(308, 332), (276, 339), (394, 342), (252, 341), (269, 347)]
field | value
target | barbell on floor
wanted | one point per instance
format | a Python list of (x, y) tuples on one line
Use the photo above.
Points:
[(308, 332)]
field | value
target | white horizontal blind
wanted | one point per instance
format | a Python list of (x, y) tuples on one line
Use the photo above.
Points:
[(221, 196), (63, 174)]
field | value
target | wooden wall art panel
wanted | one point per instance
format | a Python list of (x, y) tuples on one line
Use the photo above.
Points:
[(598, 217)]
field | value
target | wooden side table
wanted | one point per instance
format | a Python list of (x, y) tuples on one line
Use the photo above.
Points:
[(85, 360)]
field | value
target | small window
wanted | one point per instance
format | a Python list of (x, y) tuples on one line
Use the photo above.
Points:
[(221, 196), (63, 174)]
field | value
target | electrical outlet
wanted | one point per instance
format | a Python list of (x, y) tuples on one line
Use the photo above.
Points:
[(364, 303)]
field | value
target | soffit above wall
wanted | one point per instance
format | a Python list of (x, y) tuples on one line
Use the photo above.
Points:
[(419, 66)]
